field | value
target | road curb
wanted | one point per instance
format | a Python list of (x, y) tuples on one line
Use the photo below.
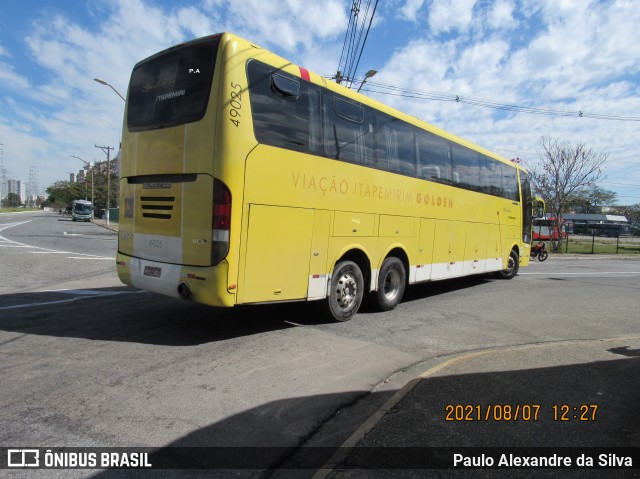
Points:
[(103, 223)]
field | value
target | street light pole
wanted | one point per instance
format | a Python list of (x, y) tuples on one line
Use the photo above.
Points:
[(367, 75), (102, 82), (88, 166), (107, 150)]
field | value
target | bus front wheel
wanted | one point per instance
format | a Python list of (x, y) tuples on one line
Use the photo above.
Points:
[(391, 284), (345, 291), (512, 266)]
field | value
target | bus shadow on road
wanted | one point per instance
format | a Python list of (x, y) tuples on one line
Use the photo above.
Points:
[(128, 315), (125, 314), (429, 289)]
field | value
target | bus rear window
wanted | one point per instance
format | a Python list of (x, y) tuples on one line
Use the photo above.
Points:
[(172, 87)]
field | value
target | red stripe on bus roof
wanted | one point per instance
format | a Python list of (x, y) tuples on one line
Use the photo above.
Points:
[(304, 73)]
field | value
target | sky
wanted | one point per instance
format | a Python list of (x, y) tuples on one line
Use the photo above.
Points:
[(557, 56)]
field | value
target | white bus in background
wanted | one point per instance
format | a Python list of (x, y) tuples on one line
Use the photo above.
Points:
[(81, 210)]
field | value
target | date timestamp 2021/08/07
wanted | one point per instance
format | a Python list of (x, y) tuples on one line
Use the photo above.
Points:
[(520, 412)]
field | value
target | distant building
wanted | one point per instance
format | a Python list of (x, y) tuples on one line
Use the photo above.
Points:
[(17, 187), (583, 223), (594, 218)]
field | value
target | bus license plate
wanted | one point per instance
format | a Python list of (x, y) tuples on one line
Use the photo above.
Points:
[(152, 271)]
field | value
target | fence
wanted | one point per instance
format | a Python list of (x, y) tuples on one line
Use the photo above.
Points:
[(592, 244)]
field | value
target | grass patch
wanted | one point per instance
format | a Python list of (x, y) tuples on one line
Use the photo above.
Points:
[(18, 210)]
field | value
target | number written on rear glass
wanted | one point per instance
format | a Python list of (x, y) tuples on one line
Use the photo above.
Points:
[(235, 104)]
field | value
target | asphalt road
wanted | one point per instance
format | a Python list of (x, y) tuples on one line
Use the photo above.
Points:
[(87, 361), (40, 251)]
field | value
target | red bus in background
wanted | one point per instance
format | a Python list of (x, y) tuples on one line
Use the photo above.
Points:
[(545, 229)]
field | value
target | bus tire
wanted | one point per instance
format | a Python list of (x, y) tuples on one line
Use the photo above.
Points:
[(512, 266), (391, 284), (346, 291)]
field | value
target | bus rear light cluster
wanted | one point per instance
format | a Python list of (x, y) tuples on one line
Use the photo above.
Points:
[(221, 221)]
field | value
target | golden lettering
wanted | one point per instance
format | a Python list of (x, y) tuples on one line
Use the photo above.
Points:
[(296, 178)]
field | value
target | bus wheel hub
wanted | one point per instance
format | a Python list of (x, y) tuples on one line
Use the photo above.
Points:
[(347, 289)]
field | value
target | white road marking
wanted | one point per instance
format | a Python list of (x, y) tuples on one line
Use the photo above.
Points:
[(11, 225), (81, 294), (89, 292), (91, 257), (49, 252), (7, 243), (64, 233)]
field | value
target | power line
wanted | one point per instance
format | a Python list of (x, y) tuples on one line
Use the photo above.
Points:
[(620, 185), (532, 153), (366, 36), (353, 15), (386, 89), (353, 44)]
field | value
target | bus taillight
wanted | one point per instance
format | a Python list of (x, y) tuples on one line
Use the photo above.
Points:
[(221, 221)]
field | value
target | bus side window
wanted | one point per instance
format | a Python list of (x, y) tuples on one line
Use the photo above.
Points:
[(394, 150), (434, 157), (348, 130), (285, 109), (491, 176), (466, 165), (315, 122), (510, 183)]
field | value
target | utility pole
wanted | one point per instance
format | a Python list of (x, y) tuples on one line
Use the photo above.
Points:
[(107, 150), (88, 167)]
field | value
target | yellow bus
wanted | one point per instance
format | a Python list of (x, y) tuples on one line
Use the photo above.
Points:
[(248, 179)]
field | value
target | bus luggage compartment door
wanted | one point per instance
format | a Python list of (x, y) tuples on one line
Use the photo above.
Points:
[(278, 250)]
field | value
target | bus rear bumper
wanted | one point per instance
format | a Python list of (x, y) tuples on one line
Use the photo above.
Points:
[(206, 285)]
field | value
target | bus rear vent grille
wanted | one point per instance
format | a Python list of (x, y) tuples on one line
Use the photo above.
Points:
[(158, 207)]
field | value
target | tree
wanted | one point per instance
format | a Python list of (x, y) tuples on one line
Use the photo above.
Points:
[(62, 193), (100, 184), (563, 169), (633, 215), (13, 200), (591, 200)]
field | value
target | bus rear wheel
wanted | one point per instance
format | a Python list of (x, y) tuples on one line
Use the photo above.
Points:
[(346, 291), (391, 284)]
